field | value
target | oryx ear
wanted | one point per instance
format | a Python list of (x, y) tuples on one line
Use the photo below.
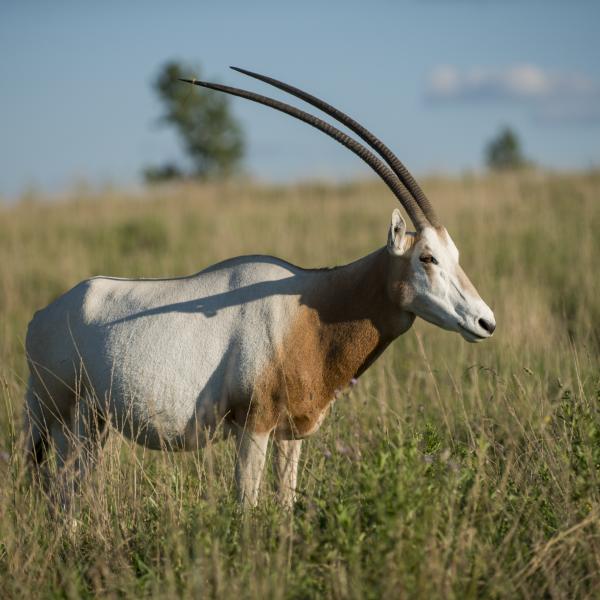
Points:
[(395, 243)]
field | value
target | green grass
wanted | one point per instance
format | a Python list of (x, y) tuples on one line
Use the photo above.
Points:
[(450, 471)]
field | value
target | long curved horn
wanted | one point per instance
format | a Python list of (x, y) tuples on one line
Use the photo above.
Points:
[(390, 158), (408, 202)]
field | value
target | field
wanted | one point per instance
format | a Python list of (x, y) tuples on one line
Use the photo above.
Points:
[(450, 471)]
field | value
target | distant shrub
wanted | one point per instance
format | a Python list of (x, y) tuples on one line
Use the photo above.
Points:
[(504, 152), (168, 172)]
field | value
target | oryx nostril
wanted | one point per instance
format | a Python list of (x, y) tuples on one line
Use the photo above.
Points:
[(489, 327)]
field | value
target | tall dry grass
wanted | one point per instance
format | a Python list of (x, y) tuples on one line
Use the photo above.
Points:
[(451, 471)]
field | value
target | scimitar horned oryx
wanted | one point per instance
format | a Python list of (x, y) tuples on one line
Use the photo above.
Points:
[(253, 346)]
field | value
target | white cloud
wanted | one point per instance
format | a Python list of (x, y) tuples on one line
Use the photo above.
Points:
[(553, 95)]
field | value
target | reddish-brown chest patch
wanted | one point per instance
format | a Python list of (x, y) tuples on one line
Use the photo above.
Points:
[(315, 360), (337, 332)]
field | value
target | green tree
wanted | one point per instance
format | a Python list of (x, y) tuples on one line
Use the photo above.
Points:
[(503, 152), (210, 134)]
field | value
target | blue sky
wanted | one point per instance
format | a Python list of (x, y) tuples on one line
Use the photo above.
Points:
[(434, 79)]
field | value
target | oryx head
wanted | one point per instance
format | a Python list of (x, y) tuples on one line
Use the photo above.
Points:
[(425, 277), (427, 280)]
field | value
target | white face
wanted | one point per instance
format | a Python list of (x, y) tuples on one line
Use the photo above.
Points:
[(438, 289)]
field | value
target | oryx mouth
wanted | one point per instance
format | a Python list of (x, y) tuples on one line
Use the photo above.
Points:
[(472, 333)]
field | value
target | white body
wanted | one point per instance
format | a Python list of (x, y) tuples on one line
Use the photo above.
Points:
[(167, 357)]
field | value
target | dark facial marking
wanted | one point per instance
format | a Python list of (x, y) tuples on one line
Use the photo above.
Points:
[(428, 259)]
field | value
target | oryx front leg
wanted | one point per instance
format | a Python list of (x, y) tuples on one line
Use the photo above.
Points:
[(252, 449), (287, 455)]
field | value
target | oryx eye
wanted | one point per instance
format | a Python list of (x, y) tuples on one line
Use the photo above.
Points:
[(428, 258)]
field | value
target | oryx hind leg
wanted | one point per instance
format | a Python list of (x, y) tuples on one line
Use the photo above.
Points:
[(77, 440), (35, 428), (42, 415)]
